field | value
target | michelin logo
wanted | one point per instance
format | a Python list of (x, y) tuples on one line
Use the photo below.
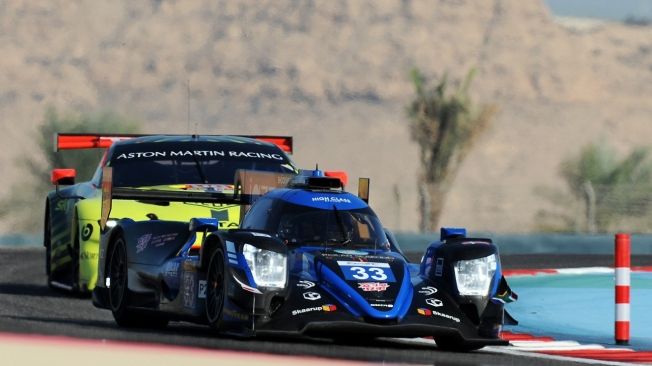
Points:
[(331, 199)]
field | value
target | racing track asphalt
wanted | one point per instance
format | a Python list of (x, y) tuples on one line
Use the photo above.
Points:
[(27, 305)]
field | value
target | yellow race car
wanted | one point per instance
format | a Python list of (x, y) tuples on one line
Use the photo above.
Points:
[(153, 162)]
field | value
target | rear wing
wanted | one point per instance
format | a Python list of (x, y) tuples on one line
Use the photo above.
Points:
[(249, 185), (72, 141)]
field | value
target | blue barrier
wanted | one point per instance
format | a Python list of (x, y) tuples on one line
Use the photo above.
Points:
[(537, 243), (507, 243), (21, 240)]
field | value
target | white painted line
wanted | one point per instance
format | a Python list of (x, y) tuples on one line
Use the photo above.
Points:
[(586, 361), (554, 346), (585, 270)]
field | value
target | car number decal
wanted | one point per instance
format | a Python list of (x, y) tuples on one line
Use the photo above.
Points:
[(366, 271)]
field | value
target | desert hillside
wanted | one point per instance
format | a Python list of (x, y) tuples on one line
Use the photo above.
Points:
[(335, 76)]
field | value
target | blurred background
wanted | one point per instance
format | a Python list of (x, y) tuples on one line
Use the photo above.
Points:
[(566, 87)]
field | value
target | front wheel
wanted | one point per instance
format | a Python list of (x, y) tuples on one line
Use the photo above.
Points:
[(119, 293), (215, 291)]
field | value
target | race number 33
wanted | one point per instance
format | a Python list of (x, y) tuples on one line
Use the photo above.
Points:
[(366, 271)]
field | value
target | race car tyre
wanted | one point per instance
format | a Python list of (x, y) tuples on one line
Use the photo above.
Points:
[(215, 291), (48, 249), (447, 344), (119, 294), (74, 265)]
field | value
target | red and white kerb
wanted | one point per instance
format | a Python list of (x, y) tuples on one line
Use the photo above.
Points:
[(622, 269)]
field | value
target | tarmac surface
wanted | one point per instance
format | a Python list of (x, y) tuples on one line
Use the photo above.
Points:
[(28, 306)]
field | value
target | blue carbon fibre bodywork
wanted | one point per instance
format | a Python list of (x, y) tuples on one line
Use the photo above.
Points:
[(398, 311), (435, 249), (324, 200)]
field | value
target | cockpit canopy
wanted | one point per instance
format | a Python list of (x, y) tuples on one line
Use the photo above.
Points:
[(323, 225)]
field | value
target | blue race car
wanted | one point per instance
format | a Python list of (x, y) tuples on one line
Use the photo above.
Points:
[(309, 259)]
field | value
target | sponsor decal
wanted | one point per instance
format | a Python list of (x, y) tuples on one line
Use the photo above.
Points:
[(87, 255), (363, 264), (172, 269), (208, 187), (434, 302), (202, 289), (350, 252), (428, 290), (373, 286), (189, 290), (328, 199), (143, 242), (312, 296), (428, 312), (446, 316), (325, 308), (383, 305), (476, 242), (305, 284), (87, 231), (60, 206), (202, 153), (361, 271), (439, 267), (161, 240)]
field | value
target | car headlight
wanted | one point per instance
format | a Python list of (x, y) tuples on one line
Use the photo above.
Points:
[(474, 276), (268, 268)]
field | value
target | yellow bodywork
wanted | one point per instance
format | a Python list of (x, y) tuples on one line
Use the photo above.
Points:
[(87, 224)]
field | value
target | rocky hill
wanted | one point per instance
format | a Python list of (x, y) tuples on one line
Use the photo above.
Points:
[(335, 75)]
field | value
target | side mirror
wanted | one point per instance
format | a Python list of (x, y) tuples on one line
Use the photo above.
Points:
[(63, 177), (363, 189)]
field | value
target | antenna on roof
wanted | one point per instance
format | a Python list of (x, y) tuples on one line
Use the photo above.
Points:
[(188, 105)]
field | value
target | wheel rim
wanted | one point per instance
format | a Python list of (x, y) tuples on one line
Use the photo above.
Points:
[(215, 284), (118, 275)]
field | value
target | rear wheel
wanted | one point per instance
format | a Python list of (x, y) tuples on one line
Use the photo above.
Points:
[(48, 248), (215, 291), (74, 263), (119, 293)]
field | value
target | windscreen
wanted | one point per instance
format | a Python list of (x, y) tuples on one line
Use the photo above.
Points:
[(301, 225), (198, 162)]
